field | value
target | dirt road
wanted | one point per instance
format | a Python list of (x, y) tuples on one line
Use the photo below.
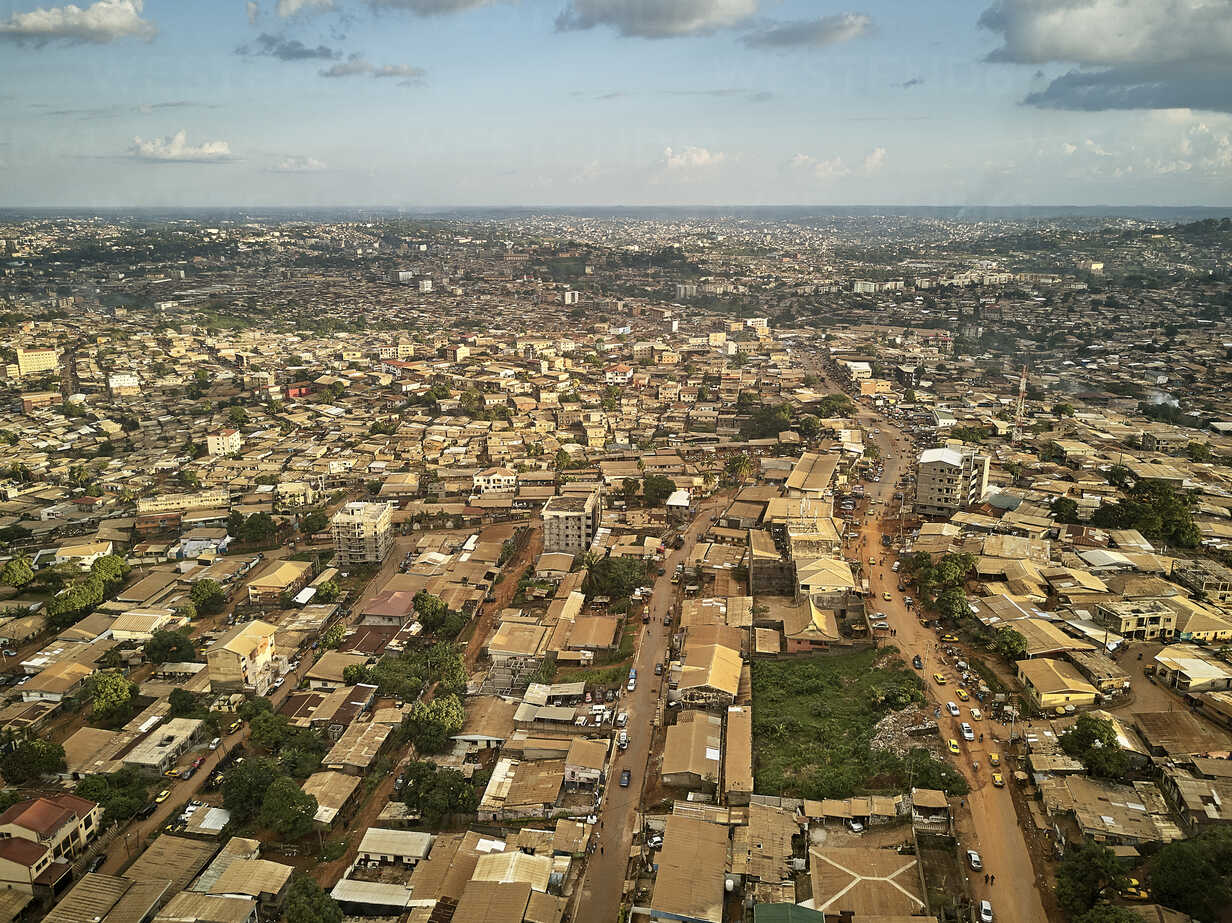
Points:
[(602, 883), (987, 822)]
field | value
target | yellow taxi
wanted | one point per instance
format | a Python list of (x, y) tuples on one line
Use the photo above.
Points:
[(998, 780), (976, 714), (953, 746), (963, 694), (950, 639), (1134, 891), (938, 679), (234, 726), (162, 796), (172, 773), (994, 759), (886, 596)]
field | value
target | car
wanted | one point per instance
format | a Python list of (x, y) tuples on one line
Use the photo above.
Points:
[(952, 708), (658, 669), (973, 860), (963, 694), (654, 841), (622, 719), (854, 825), (872, 561), (908, 601), (886, 596), (662, 571), (609, 695), (96, 863), (626, 776), (994, 759), (985, 912), (976, 714), (215, 743), (998, 780), (967, 733), (632, 683), (895, 566), (9, 652), (587, 698), (952, 745), (939, 679), (592, 819), (1134, 891), (623, 740), (234, 726), (162, 796), (146, 811), (917, 662), (949, 639), (172, 773)]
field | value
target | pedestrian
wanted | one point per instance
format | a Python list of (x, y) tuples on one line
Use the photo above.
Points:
[(985, 878), (992, 879), (600, 850)]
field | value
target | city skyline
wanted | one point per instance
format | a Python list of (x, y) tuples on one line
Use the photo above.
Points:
[(437, 103)]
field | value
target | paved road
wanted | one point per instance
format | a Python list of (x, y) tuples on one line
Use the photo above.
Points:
[(988, 822), (602, 882)]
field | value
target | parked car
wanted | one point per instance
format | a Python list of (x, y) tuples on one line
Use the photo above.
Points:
[(854, 825), (917, 662), (953, 746), (623, 740), (998, 780), (973, 860), (952, 708), (994, 759), (162, 796), (985, 912), (658, 669), (626, 776), (939, 679), (967, 733), (214, 744), (962, 693), (234, 726)]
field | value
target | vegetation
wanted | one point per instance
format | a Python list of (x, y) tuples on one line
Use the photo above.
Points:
[(1155, 509), (121, 794), (432, 792), (79, 598), (170, 647), (207, 596), (405, 675), (1194, 876), (656, 489), (308, 903), (298, 750), (1010, 644), (288, 810), (1093, 742), (30, 760), (112, 697), (614, 577), (17, 572), (813, 723), (1085, 872), (432, 723)]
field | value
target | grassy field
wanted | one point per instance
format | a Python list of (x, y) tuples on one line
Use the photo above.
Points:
[(813, 720)]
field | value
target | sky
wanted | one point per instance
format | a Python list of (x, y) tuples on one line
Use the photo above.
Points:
[(436, 103)]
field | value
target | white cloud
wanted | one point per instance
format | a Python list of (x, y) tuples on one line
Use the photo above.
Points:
[(287, 8), (812, 33), (176, 149), (295, 163), (351, 67), (99, 23), (656, 18), (254, 11), (834, 167), (692, 158), (407, 72), (357, 65)]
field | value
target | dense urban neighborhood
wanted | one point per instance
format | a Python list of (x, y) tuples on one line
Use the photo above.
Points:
[(779, 565)]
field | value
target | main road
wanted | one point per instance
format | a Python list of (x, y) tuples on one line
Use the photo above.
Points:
[(987, 821), (602, 884)]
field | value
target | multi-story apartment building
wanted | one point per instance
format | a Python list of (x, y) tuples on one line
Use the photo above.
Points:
[(33, 361), (63, 823), (495, 479), (1138, 619), (363, 533), (171, 503), (570, 523), (949, 480), (223, 442), (242, 659)]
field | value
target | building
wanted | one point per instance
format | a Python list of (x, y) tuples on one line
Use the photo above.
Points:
[(286, 578), (163, 747), (403, 847), (692, 872), (500, 480), (570, 523), (1138, 619), (363, 534), (124, 384), (242, 660), (585, 762), (1054, 683), (949, 480), (173, 503), (224, 442), (61, 823), (34, 361), (693, 752)]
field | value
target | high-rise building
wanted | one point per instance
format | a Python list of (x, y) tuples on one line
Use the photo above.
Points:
[(33, 361), (223, 442), (949, 480), (570, 523), (363, 533)]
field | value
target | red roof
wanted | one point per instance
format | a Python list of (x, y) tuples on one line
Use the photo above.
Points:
[(46, 815), (22, 852)]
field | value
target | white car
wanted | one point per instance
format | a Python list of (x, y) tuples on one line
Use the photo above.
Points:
[(967, 733), (973, 860), (985, 912), (952, 708)]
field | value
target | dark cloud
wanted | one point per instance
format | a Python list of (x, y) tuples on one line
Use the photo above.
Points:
[(913, 82), (118, 110), (286, 49), (664, 19), (1130, 88), (428, 7), (812, 33)]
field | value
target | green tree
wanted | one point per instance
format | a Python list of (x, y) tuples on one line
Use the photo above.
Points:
[(258, 528), (30, 760), (656, 489), (1194, 876), (614, 577), (1085, 871), (431, 724), (17, 572), (287, 810), (430, 609), (1010, 644), (1108, 913), (244, 787), (207, 596), (630, 488), (1093, 741), (328, 592), (433, 793), (121, 794), (1065, 510), (111, 696), (952, 603), (314, 522), (237, 416), (170, 646), (332, 639), (308, 903), (183, 703), (1063, 410), (738, 467)]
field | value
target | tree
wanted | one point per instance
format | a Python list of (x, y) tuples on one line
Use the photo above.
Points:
[(207, 596), (244, 787), (121, 794), (630, 487), (288, 810), (30, 760), (1085, 871), (431, 610), (1108, 913), (111, 569), (738, 467), (17, 572), (314, 522), (614, 577), (952, 603), (332, 639), (431, 724), (308, 903), (1194, 876), (1093, 741), (432, 793), (170, 646), (1198, 451), (183, 703), (1010, 644), (1063, 410), (328, 592), (257, 528), (237, 416), (1065, 510), (656, 489), (111, 696)]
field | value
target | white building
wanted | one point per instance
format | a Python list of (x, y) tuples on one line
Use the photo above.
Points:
[(363, 533), (495, 479), (33, 361), (224, 442), (949, 480), (570, 523)]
